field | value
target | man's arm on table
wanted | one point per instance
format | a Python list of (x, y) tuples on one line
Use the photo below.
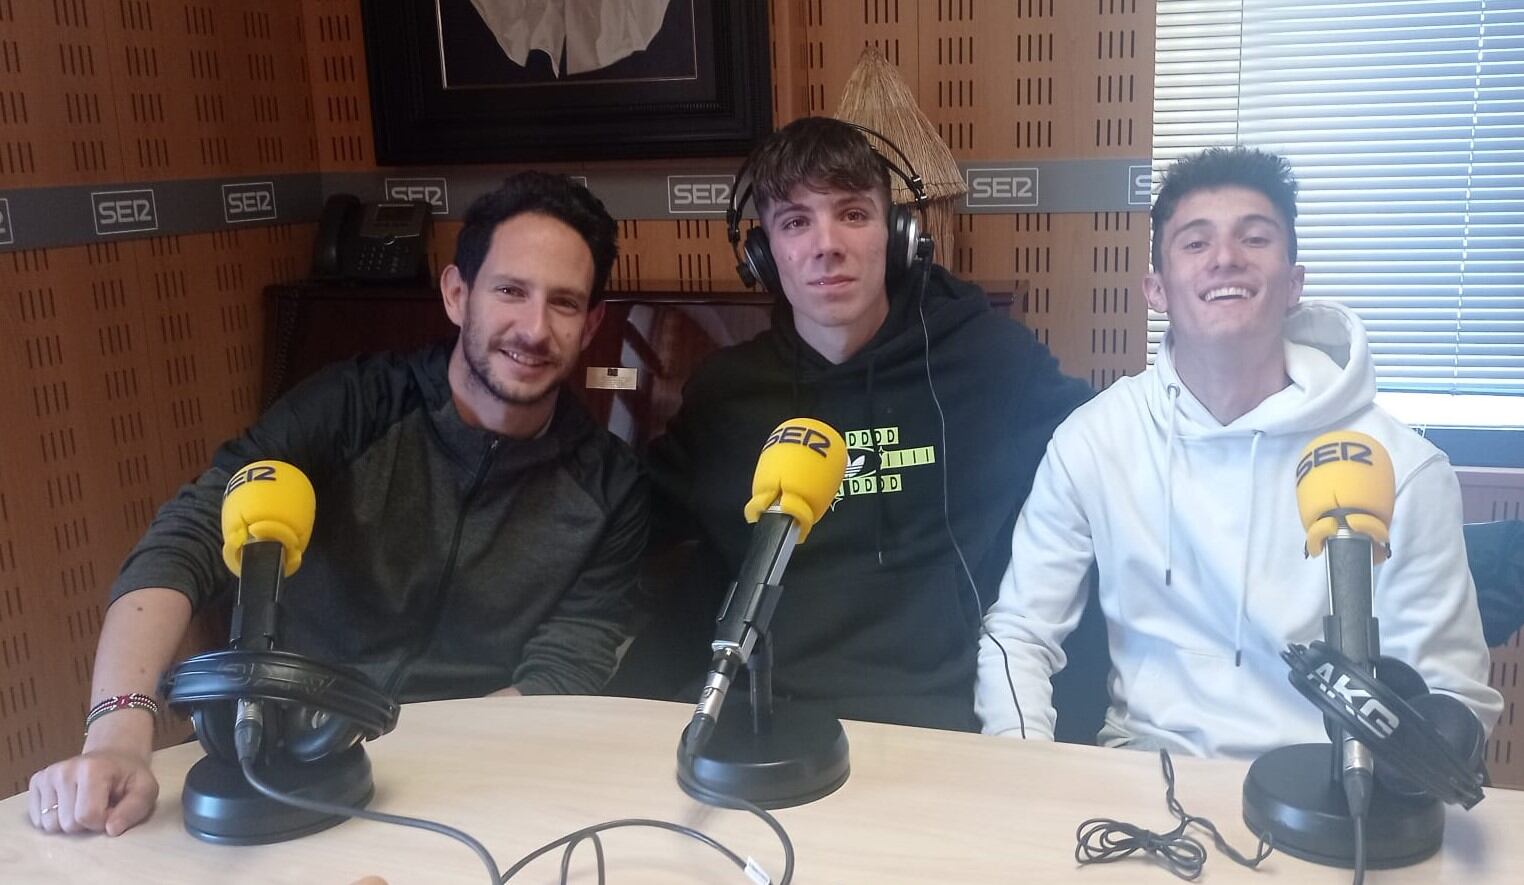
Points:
[(172, 570), (109, 786), (1041, 598)]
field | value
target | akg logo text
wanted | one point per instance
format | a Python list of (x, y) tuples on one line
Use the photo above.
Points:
[(248, 201), (7, 234), (698, 194), (121, 212), (1358, 702), (434, 191), (1010, 186)]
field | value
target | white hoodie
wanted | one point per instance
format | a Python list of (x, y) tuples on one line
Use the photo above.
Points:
[(1199, 545)]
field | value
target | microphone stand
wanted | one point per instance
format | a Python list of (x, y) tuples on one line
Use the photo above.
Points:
[(218, 803), (1294, 795), (779, 756)]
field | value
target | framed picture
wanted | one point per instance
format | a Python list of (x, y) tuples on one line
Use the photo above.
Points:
[(483, 81)]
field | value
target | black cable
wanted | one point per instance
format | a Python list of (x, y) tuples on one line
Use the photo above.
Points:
[(377, 816), (571, 839), (1358, 821), (920, 303), (571, 847), (1103, 840)]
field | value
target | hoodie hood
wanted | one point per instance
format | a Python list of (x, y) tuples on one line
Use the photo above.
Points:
[(949, 302), (1329, 365), (1327, 360)]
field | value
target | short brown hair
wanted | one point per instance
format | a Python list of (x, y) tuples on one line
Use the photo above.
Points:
[(820, 153)]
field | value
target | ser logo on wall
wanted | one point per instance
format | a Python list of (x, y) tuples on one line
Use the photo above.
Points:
[(1140, 185), (123, 212), (248, 201), (7, 232), (699, 194), (1005, 187), (434, 191)]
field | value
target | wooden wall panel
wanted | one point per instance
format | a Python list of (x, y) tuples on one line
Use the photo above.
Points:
[(1024, 79), (132, 361), (147, 90), (62, 126), (339, 97)]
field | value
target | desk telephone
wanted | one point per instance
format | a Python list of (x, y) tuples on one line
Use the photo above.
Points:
[(372, 242)]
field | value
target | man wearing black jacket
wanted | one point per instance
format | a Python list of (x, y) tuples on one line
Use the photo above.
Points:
[(476, 531), (878, 616)]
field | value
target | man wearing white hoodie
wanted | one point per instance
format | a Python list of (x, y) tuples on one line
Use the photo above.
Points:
[(1178, 484)]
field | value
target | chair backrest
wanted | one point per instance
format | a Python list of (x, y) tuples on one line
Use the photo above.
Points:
[(1495, 554)]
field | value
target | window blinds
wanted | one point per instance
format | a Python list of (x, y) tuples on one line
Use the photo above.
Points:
[(1404, 123)]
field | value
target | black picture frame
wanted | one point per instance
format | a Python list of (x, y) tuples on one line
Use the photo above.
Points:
[(718, 105)]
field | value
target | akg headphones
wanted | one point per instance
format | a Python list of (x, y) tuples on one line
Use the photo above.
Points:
[(313, 709), (1424, 744), (907, 243)]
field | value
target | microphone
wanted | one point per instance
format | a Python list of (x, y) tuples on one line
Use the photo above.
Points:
[(1346, 492), (796, 480), (267, 514)]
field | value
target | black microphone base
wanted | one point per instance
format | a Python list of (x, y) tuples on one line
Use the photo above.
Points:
[(802, 758), (1290, 797), (219, 805)]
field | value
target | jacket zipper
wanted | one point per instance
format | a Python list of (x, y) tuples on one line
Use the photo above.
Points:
[(424, 638)]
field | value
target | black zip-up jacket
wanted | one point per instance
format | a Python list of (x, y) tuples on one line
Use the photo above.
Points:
[(876, 620), (445, 561)]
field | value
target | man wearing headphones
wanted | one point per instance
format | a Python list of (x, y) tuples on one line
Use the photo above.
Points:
[(476, 531), (945, 405), (1179, 485)]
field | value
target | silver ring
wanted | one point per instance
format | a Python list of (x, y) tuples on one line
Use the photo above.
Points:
[(50, 809)]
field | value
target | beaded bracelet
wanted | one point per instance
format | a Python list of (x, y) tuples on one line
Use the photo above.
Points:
[(133, 701)]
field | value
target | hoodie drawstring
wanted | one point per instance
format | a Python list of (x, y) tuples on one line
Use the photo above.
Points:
[(1169, 484), (1243, 583)]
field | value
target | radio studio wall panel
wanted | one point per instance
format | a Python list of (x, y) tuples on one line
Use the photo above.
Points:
[(132, 359)]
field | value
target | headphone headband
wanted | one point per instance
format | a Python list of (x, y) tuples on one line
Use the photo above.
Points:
[(1376, 715), (908, 243), (284, 678)]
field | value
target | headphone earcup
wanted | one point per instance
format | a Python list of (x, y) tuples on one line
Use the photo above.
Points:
[(214, 729), (904, 237), (757, 257), (1458, 729), (1403, 680), (311, 733)]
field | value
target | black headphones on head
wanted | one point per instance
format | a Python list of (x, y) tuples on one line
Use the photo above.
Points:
[(908, 243), (1424, 744), (312, 709)]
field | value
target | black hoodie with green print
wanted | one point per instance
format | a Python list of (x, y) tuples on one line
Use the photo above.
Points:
[(876, 620)]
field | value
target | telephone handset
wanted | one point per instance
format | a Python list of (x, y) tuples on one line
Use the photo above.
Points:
[(372, 242)]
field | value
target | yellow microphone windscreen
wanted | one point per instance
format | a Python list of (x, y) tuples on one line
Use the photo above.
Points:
[(267, 501), (800, 469), (1345, 475)]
